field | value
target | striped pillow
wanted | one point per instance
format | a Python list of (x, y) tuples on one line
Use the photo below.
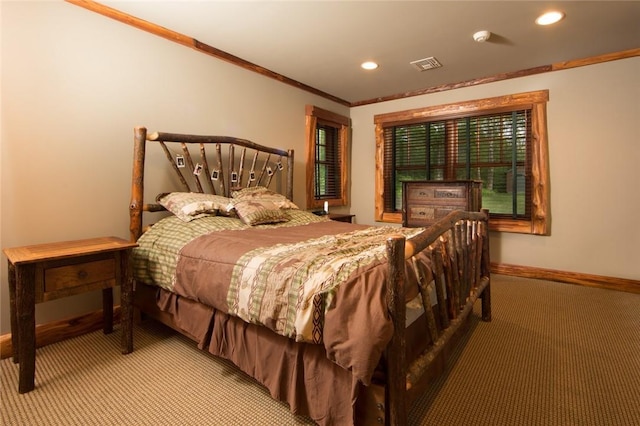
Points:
[(263, 194), (193, 205), (259, 212)]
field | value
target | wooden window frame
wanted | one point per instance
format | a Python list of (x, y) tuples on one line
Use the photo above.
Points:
[(539, 223), (313, 114)]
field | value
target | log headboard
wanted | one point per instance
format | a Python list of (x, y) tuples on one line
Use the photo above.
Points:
[(229, 163)]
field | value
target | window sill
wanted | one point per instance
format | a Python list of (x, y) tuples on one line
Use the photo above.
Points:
[(495, 225)]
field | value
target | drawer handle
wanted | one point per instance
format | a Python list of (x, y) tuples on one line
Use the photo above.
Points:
[(82, 274)]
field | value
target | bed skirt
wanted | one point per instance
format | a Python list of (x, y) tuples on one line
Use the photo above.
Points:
[(298, 374)]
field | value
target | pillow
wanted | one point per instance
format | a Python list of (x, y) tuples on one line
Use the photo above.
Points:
[(259, 212), (263, 194), (193, 205)]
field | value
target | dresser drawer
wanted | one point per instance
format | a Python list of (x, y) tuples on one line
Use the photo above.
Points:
[(450, 195), (421, 215), (425, 202)]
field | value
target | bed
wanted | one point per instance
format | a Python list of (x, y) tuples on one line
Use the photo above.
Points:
[(345, 323)]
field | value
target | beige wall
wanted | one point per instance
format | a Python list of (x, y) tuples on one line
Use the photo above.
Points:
[(74, 85), (593, 115)]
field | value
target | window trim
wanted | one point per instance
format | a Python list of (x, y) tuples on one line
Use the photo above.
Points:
[(539, 223), (342, 123)]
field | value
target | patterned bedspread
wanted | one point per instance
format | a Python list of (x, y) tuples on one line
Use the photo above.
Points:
[(288, 286), (309, 279), (155, 260)]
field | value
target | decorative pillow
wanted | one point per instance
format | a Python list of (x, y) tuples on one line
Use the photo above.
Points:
[(193, 205), (258, 212), (263, 194)]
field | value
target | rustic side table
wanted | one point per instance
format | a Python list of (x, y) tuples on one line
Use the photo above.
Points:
[(44, 272), (342, 217)]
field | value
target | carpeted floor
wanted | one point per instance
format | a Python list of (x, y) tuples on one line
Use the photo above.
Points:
[(554, 354)]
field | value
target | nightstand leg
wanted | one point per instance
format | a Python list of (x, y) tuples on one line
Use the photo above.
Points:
[(26, 322), (126, 304), (107, 310), (12, 312)]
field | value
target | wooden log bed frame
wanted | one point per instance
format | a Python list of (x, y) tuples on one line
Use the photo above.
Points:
[(458, 246)]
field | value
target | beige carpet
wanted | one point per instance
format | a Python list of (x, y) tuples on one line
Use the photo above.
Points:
[(554, 354)]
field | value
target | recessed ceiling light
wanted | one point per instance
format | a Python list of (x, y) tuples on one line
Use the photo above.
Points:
[(549, 18), (369, 65)]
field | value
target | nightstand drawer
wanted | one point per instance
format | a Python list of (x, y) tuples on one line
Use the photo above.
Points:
[(79, 274), (74, 275), (342, 217)]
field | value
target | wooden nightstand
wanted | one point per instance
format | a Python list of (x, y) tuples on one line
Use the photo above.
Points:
[(340, 217), (44, 272)]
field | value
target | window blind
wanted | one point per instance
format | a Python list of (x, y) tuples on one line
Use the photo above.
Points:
[(494, 148), (328, 162)]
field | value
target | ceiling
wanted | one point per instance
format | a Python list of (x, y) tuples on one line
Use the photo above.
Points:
[(321, 44)]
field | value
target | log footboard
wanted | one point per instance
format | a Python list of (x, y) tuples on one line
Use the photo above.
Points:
[(458, 246)]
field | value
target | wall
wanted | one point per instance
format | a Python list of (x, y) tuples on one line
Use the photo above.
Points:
[(594, 152), (74, 85)]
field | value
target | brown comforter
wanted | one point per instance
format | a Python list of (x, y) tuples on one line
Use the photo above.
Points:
[(188, 263), (350, 317)]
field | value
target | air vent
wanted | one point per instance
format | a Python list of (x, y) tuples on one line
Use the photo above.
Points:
[(426, 64)]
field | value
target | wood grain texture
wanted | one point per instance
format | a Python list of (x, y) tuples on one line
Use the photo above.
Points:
[(65, 249), (222, 55), (425, 202), (274, 160), (595, 59), (313, 117), (57, 331), (599, 281), (536, 101), (49, 271), (456, 246), (396, 405), (198, 45), (506, 76)]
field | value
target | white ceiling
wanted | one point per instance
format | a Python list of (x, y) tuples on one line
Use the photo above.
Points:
[(322, 43)]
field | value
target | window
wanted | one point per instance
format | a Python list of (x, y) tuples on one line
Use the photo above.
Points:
[(327, 143), (500, 141)]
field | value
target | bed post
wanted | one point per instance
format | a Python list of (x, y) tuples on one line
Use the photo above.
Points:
[(289, 193), (395, 390), (137, 183), (486, 270)]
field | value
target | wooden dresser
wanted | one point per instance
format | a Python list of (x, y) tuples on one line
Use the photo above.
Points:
[(425, 202)]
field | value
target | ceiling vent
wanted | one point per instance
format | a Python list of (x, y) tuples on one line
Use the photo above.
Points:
[(426, 64)]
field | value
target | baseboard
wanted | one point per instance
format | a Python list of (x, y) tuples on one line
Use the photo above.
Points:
[(611, 283), (57, 331)]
